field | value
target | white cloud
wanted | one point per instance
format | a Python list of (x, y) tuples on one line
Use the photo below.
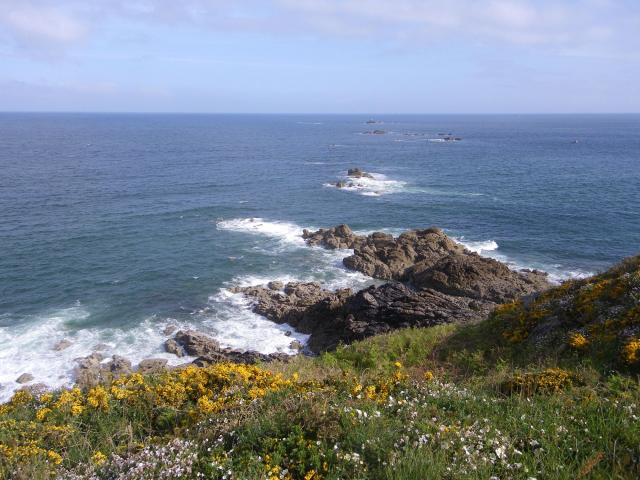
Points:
[(45, 24), (40, 27)]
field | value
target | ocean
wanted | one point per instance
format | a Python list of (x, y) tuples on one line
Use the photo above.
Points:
[(114, 226)]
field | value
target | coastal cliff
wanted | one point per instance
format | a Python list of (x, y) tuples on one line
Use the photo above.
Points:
[(457, 367)]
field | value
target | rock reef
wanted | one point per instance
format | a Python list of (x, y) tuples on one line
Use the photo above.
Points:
[(433, 280)]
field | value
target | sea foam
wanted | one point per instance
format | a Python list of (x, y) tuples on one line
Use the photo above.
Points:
[(372, 187), (28, 347)]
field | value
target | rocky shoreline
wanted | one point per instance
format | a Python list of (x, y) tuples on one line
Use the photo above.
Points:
[(430, 280)]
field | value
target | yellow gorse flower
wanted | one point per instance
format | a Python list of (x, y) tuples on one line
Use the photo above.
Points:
[(98, 458), (98, 398)]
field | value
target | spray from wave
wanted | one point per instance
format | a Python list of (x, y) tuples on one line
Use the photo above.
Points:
[(489, 248), (372, 187), (30, 346)]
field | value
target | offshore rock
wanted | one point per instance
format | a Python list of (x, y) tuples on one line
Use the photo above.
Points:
[(430, 259), (357, 173), (340, 236)]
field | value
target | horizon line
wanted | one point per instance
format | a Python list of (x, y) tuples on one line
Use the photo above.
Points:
[(124, 112)]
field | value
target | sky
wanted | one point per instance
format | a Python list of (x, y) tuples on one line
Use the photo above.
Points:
[(320, 56)]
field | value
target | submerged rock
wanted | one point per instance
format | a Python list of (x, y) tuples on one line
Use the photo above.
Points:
[(62, 344), (24, 378)]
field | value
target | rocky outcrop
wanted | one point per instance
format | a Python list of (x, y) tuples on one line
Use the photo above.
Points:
[(90, 370), (208, 350), (301, 305), (342, 316), (340, 236), (152, 365), (473, 276), (358, 173), (433, 280), (196, 343), (429, 259)]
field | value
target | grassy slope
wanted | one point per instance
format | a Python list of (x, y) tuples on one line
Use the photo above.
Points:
[(520, 395)]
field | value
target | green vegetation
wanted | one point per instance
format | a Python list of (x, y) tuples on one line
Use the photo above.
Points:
[(544, 389)]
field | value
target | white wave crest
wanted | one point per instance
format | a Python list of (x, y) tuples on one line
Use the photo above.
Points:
[(29, 347), (489, 248), (284, 231), (229, 319), (372, 187), (481, 247)]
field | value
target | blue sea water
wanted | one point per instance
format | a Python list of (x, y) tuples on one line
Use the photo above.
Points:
[(114, 226)]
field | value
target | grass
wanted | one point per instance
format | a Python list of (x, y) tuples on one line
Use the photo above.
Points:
[(444, 402)]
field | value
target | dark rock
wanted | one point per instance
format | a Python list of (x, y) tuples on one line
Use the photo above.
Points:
[(275, 285), (381, 309), (473, 276), (196, 343), (341, 184), (24, 378), (62, 344), (334, 317), (297, 305), (152, 365), (296, 345), (171, 346), (430, 259), (239, 356), (332, 238), (357, 173), (434, 280)]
